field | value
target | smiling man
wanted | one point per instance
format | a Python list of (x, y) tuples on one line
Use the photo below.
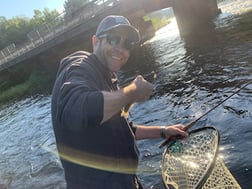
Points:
[(96, 143)]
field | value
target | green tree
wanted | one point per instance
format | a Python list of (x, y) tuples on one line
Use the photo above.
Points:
[(3, 22), (41, 17), (13, 30)]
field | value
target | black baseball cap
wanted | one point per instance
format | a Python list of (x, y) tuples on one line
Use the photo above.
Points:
[(114, 21)]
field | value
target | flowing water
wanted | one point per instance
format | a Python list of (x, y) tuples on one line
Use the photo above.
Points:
[(192, 77)]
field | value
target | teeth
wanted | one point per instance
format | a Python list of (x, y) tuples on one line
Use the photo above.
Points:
[(116, 57)]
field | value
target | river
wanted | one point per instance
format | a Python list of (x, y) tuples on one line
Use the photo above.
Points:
[(192, 77)]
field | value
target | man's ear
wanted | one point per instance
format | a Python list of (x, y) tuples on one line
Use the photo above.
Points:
[(95, 40)]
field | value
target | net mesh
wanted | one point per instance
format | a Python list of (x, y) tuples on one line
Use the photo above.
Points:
[(221, 177), (191, 163)]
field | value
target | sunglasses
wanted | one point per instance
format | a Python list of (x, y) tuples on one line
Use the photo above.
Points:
[(114, 40)]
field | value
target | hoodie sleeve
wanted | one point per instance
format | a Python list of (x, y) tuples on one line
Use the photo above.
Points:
[(78, 101)]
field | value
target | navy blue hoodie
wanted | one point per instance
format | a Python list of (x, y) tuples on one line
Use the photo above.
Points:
[(94, 155)]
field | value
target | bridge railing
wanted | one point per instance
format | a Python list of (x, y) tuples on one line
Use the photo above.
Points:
[(56, 27)]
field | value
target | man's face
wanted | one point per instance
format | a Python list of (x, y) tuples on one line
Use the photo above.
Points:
[(112, 49)]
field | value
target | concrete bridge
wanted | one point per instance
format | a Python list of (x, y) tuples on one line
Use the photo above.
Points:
[(69, 32)]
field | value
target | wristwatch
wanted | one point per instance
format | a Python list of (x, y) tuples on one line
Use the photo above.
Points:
[(162, 132)]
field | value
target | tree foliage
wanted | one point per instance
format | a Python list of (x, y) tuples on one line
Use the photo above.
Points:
[(41, 17), (15, 30)]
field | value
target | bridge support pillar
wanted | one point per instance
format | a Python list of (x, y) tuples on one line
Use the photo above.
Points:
[(194, 16)]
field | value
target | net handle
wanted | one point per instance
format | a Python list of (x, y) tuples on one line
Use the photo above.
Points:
[(189, 125)]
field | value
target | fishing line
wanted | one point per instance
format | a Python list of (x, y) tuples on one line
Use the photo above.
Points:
[(189, 125), (193, 162)]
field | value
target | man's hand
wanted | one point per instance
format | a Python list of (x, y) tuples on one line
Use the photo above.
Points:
[(141, 89), (174, 131)]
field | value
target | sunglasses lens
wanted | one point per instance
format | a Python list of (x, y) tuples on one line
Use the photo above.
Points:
[(128, 44), (113, 40)]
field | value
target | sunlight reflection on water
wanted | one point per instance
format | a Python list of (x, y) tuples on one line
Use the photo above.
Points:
[(189, 82)]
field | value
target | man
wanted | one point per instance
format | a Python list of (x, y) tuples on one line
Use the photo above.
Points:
[(96, 143)]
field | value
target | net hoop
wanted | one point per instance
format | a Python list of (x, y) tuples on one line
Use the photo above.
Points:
[(188, 163)]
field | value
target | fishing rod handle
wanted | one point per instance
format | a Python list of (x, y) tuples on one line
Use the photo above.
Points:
[(187, 126)]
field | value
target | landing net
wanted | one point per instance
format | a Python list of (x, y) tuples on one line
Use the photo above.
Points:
[(193, 163)]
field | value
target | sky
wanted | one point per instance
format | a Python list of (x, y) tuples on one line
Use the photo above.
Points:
[(12, 8)]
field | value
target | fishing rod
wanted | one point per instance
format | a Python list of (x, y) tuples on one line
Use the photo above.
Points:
[(189, 125)]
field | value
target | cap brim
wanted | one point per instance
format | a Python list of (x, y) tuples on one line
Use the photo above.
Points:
[(132, 32)]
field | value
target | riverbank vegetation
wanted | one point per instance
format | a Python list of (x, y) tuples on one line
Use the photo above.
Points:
[(37, 82), (160, 22), (160, 18)]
